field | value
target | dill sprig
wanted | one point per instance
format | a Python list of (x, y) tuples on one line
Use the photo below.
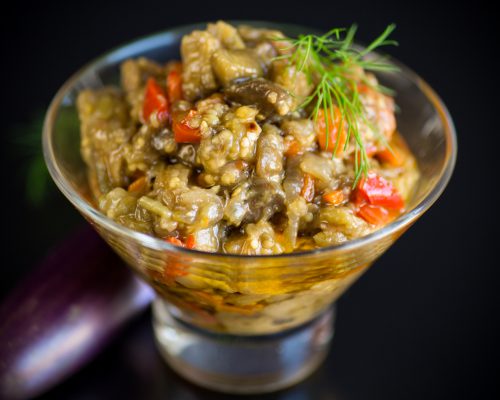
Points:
[(330, 62)]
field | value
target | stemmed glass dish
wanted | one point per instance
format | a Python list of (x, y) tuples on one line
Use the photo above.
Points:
[(246, 323)]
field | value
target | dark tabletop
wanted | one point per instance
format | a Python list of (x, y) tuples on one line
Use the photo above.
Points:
[(422, 323)]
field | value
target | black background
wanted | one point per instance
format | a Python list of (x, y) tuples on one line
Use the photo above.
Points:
[(423, 322)]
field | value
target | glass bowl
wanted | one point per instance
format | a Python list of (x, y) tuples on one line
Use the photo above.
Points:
[(245, 323)]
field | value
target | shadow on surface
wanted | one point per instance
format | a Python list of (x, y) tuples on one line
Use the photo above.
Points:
[(132, 368)]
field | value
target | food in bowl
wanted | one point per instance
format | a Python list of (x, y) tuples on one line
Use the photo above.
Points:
[(323, 165), (132, 135), (248, 145)]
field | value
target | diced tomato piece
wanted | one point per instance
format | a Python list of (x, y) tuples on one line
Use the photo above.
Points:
[(337, 135), (155, 100), (183, 133), (307, 191), (376, 190), (376, 215)]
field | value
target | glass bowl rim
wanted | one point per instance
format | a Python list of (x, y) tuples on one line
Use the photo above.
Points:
[(152, 41)]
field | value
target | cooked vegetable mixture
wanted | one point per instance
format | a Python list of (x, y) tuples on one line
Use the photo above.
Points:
[(246, 146)]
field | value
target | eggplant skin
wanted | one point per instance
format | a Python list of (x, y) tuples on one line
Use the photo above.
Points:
[(64, 313), (269, 97)]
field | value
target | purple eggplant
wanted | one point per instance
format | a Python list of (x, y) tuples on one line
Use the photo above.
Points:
[(64, 313)]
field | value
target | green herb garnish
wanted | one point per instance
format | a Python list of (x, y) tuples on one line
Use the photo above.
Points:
[(330, 62)]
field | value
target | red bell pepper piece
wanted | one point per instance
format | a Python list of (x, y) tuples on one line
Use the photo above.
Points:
[(183, 132), (376, 215), (155, 100), (375, 190)]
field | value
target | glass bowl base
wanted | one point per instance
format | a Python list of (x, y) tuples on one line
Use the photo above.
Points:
[(242, 364)]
